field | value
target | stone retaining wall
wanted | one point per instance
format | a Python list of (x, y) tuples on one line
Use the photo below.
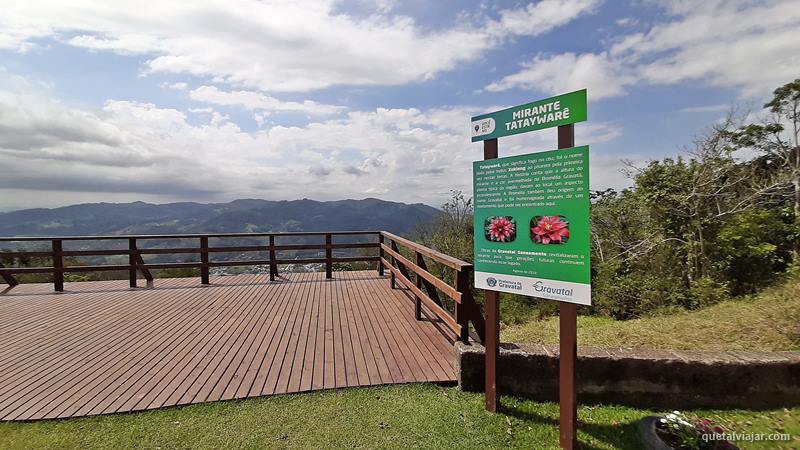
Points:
[(649, 378)]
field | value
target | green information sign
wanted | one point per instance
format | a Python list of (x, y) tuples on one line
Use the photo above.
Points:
[(532, 225), (550, 112)]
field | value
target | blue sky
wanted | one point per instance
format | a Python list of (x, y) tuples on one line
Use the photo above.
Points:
[(216, 100)]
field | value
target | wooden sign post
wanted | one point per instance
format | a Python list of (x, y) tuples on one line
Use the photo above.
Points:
[(497, 225), (492, 304), (568, 345)]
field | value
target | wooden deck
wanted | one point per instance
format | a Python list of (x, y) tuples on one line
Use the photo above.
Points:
[(101, 347)]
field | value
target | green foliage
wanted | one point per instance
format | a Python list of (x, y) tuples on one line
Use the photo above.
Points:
[(752, 248), (634, 294), (785, 100), (707, 291), (95, 276), (183, 272), (767, 322), (341, 267), (451, 232)]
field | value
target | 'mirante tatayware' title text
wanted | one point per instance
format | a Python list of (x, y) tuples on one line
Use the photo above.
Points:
[(536, 115)]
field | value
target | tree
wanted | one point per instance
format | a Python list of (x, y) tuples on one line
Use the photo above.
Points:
[(686, 200), (779, 153), (451, 232), (786, 104)]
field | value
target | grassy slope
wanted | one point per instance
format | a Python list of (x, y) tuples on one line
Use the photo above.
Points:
[(767, 322), (406, 416)]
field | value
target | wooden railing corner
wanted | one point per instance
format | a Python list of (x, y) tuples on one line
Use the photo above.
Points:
[(425, 286)]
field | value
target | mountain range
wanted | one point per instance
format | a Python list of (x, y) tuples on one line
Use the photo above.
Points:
[(244, 215)]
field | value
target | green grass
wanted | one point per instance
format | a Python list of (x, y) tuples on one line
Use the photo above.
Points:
[(404, 416), (769, 321)]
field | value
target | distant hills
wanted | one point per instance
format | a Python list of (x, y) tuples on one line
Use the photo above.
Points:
[(246, 215)]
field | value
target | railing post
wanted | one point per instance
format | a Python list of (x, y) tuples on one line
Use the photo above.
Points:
[(380, 254), (394, 263), (391, 273), (469, 307), (58, 265), (328, 256), (204, 260), (273, 268), (461, 309), (9, 279), (132, 262), (417, 301)]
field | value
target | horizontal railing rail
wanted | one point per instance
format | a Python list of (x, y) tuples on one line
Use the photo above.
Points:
[(411, 272), (425, 286), (185, 236), (137, 264)]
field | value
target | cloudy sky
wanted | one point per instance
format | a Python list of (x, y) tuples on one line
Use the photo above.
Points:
[(216, 100)]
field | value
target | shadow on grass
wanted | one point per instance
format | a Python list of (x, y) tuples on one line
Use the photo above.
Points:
[(622, 436)]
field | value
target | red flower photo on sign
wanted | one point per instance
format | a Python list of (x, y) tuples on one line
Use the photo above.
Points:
[(550, 229), (500, 229)]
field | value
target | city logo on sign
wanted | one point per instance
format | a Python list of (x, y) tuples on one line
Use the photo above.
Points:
[(492, 282), (483, 126), (541, 287)]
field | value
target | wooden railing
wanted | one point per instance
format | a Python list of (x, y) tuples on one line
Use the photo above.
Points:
[(136, 262), (425, 286), (412, 273)]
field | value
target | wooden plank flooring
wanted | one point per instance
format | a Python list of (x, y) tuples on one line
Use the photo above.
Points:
[(101, 348)]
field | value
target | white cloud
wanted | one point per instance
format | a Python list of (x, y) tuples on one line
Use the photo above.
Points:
[(382, 6), (252, 101), (542, 17), (748, 46), (278, 45), (706, 108), (128, 148), (179, 86), (627, 22), (568, 72)]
